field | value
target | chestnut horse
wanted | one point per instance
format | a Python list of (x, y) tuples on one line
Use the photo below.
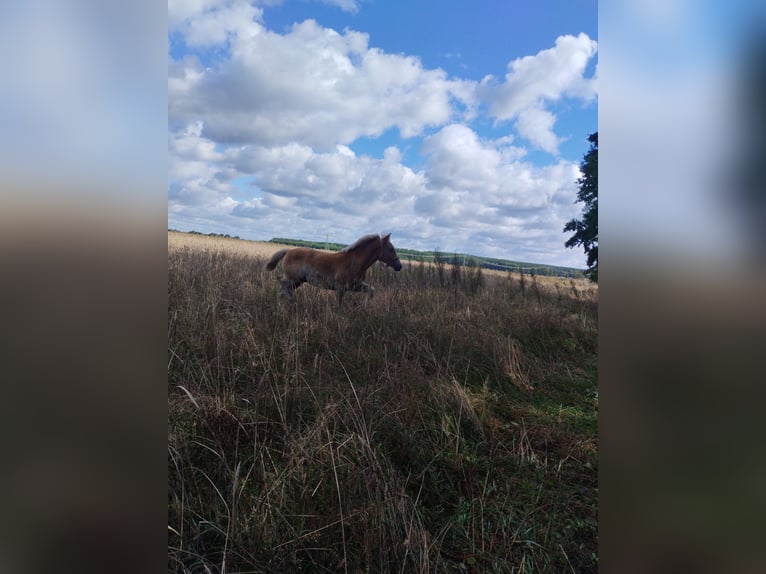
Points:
[(340, 271)]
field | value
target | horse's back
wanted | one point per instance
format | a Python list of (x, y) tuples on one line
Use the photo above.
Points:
[(299, 256), (308, 263)]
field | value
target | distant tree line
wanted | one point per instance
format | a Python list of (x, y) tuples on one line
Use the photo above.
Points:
[(207, 234), (461, 259)]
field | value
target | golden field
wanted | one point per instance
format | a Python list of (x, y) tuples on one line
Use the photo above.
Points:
[(180, 240)]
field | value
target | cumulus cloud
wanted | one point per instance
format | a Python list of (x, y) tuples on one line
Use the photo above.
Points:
[(547, 76), (536, 125), (319, 87), (311, 85), (474, 186), (469, 190), (351, 6), (180, 10), (208, 22), (263, 126), (457, 159), (534, 81)]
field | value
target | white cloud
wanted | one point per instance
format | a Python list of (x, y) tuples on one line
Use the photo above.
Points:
[(459, 161), (350, 6), (209, 22), (469, 190), (189, 144), (536, 125), (319, 87), (534, 81), (260, 138), (180, 10), (456, 159), (311, 85), (547, 76)]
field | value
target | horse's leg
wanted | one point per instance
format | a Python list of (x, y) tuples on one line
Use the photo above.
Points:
[(364, 287), (339, 294), (288, 286)]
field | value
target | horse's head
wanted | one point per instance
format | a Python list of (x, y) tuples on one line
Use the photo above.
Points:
[(388, 253)]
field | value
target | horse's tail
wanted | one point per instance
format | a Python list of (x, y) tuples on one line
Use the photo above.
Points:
[(276, 258)]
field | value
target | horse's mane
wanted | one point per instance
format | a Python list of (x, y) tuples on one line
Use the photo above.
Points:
[(359, 242)]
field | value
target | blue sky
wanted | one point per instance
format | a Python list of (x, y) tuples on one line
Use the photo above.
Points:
[(458, 126)]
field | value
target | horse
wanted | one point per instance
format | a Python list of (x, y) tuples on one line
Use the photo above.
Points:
[(340, 271)]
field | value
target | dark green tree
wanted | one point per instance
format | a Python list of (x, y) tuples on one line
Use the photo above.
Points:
[(586, 229)]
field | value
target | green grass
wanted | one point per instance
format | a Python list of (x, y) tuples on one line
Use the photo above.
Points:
[(446, 425)]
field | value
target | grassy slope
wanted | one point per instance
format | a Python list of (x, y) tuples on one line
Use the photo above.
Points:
[(438, 427)]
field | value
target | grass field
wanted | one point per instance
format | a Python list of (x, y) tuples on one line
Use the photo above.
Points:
[(449, 424), (179, 240)]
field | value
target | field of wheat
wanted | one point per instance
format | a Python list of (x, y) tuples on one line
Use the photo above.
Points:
[(446, 425)]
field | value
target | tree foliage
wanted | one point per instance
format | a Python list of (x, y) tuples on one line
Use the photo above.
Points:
[(586, 229)]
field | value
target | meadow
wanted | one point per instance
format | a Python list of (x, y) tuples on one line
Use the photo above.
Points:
[(448, 424)]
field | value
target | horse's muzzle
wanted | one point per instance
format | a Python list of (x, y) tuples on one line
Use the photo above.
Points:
[(397, 265)]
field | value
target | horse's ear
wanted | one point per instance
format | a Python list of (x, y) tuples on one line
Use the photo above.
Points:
[(386, 236)]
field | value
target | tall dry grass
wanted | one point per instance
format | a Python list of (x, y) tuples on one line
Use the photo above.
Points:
[(446, 425)]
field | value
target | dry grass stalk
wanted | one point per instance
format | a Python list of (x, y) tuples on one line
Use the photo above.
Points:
[(435, 428)]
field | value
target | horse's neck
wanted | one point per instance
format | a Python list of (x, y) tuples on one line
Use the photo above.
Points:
[(369, 255)]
